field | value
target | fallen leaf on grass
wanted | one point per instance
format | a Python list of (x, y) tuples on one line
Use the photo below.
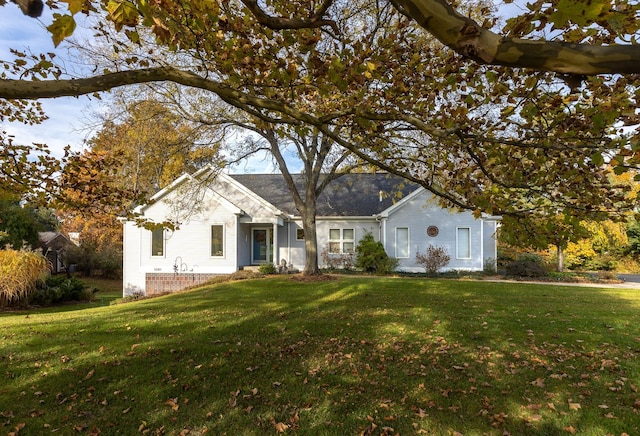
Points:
[(90, 374), (421, 413), (281, 427), (173, 403), (574, 406), (539, 382), (570, 429), (17, 428)]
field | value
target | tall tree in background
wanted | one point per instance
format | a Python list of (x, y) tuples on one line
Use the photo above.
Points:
[(155, 145), (471, 134), (131, 157)]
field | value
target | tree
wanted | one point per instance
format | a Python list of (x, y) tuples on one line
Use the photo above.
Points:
[(154, 144), (19, 225), (472, 135), (457, 31), (27, 172), (541, 232), (322, 163)]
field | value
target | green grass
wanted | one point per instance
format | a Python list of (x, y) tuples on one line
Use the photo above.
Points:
[(351, 356)]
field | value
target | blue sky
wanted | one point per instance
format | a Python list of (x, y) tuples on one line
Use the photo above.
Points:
[(68, 121), (66, 114)]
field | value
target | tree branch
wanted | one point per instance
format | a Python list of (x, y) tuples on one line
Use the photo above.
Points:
[(316, 20), (470, 39)]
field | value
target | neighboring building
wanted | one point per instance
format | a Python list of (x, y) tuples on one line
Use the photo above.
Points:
[(53, 246), (230, 222)]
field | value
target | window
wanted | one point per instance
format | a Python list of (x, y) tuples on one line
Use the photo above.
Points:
[(341, 240), (157, 242), (463, 243), (402, 242), (217, 240), (299, 234)]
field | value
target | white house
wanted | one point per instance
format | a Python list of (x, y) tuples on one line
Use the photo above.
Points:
[(229, 222)]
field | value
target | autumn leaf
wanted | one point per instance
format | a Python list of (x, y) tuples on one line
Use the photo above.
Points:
[(574, 406), (90, 374), (570, 429), (173, 403), (281, 427), (539, 382), (421, 413), (62, 27)]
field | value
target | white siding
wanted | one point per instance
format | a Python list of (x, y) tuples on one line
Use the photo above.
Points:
[(188, 247), (417, 214), (360, 225)]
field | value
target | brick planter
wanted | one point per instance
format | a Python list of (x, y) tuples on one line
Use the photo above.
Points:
[(158, 283)]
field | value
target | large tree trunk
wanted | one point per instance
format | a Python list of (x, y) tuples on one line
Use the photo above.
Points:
[(308, 214), (310, 244)]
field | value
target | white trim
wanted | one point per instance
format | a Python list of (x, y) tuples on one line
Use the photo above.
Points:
[(269, 243), (164, 245), (408, 243), (224, 240), (458, 242), (342, 240)]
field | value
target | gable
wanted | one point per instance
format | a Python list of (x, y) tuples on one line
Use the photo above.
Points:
[(198, 196)]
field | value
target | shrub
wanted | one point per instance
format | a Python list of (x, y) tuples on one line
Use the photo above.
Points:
[(60, 289), (334, 261), (371, 257), (268, 268), (20, 273), (601, 263), (490, 266), (109, 262), (526, 265), (434, 259)]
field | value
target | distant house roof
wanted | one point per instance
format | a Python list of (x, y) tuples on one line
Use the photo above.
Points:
[(360, 194), (53, 239)]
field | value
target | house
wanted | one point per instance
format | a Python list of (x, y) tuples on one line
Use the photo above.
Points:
[(231, 222), (53, 246)]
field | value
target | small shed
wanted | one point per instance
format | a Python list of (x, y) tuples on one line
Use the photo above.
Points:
[(53, 246)]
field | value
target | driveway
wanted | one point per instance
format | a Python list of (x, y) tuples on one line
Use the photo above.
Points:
[(630, 280)]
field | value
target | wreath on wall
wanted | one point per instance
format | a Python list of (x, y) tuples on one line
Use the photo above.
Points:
[(432, 231)]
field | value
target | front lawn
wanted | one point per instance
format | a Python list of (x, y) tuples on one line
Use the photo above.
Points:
[(355, 355)]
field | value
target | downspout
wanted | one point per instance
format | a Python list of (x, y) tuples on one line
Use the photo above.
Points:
[(289, 240), (276, 248)]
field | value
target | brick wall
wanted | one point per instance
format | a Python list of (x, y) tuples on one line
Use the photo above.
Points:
[(157, 283)]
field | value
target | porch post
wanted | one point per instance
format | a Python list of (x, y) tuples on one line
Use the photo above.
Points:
[(276, 251)]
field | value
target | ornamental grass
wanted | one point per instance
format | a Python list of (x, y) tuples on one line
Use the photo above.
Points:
[(20, 271)]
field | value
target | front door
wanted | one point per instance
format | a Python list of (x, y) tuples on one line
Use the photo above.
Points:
[(262, 246)]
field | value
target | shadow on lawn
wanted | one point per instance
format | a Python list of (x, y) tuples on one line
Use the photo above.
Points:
[(357, 355)]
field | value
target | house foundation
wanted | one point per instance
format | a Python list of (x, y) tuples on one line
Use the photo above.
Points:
[(159, 283)]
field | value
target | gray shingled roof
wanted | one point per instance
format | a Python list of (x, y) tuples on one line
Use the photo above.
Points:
[(349, 195)]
